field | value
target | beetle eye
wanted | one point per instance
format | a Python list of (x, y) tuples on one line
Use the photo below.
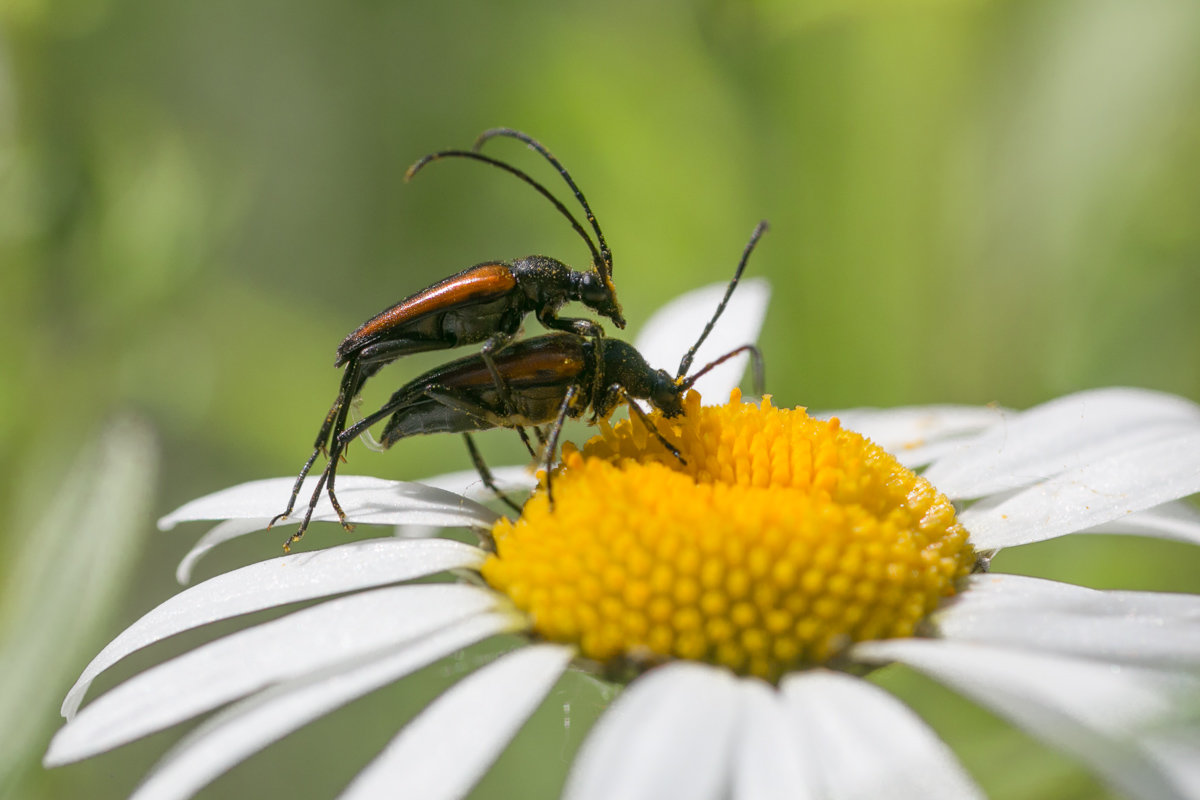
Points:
[(667, 397), (592, 289)]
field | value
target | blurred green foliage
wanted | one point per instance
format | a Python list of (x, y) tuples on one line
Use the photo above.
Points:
[(971, 202)]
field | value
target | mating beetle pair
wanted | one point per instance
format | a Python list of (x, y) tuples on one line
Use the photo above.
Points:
[(533, 382)]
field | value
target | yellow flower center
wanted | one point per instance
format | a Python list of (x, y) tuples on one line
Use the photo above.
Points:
[(782, 540)]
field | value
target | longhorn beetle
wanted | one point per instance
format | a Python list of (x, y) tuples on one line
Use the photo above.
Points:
[(549, 378), (485, 303)]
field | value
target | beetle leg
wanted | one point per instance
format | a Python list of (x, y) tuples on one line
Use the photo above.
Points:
[(312, 504), (636, 410), (582, 327), (352, 381), (334, 427), (486, 475), (318, 448), (435, 392), (328, 475), (368, 362), (386, 352), (338, 443), (485, 415), (326, 483), (552, 443), (331, 468), (525, 441), (356, 374), (494, 344)]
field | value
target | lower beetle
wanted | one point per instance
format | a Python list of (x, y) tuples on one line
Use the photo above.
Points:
[(549, 379), (486, 303)]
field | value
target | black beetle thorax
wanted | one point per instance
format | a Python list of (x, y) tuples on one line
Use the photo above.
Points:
[(544, 281)]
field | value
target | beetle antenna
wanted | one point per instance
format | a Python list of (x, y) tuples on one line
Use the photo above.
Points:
[(509, 168), (755, 356), (604, 261), (690, 355)]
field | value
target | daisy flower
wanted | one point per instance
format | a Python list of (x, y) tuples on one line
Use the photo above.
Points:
[(740, 598)]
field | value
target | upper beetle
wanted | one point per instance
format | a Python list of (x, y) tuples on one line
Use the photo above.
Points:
[(486, 303)]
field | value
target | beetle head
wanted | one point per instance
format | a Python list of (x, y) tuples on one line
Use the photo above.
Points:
[(665, 394), (597, 292)]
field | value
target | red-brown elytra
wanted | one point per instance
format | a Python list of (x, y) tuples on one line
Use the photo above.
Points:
[(486, 303), (549, 379)]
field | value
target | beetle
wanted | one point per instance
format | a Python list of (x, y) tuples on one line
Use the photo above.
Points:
[(485, 303), (550, 378)]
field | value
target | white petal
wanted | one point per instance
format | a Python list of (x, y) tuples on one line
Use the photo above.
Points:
[(288, 579), (365, 499), (243, 729), (869, 744), (1061, 435), (918, 434), (1091, 494), (926, 452), (1002, 592), (1182, 606), (673, 329), (447, 748), (998, 592), (1045, 616), (229, 529), (670, 734), (1176, 750), (467, 483), (1116, 640), (771, 762), (243, 662), (1093, 711), (1179, 521)]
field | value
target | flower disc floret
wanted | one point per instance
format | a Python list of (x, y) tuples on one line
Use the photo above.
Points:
[(777, 542)]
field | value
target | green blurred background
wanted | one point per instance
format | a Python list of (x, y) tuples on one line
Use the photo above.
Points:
[(971, 202)]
